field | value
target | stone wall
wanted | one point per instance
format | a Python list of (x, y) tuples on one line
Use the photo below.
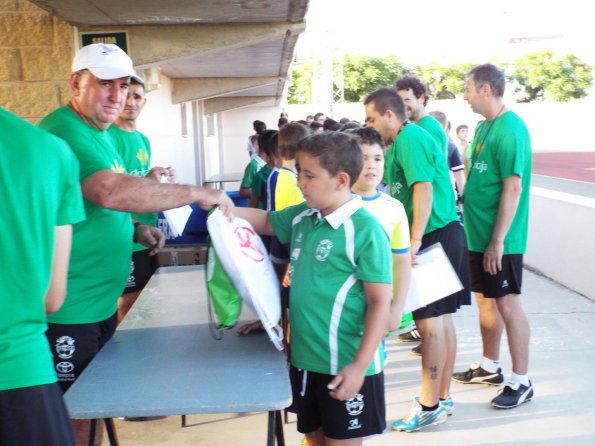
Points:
[(36, 51)]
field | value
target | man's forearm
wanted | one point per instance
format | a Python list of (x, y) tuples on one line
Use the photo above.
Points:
[(422, 209), (509, 201), (128, 193)]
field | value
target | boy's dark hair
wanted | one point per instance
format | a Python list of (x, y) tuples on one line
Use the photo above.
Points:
[(387, 99), (282, 121), (367, 135), (462, 126), (268, 143), (328, 124), (289, 137), (349, 125), (336, 152), (315, 125), (259, 126), (414, 84)]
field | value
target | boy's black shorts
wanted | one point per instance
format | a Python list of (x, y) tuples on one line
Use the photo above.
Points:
[(33, 416), (73, 346), (358, 417), (507, 281)]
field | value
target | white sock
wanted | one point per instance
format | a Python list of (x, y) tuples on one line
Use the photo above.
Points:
[(490, 365), (522, 379)]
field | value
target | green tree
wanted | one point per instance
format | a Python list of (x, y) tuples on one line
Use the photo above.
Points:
[(444, 81), (543, 75), (300, 84), (364, 74)]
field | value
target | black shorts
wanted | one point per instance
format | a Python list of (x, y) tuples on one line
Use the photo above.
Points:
[(142, 267), (279, 252), (505, 282), (358, 417), (33, 416), (75, 345), (454, 243)]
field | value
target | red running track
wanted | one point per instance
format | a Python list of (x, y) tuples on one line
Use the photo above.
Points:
[(579, 166)]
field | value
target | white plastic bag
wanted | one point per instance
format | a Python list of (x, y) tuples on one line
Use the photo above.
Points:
[(246, 262)]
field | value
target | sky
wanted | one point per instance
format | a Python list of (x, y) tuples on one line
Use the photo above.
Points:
[(448, 32)]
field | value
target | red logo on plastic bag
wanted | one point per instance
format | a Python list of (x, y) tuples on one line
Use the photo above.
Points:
[(249, 243)]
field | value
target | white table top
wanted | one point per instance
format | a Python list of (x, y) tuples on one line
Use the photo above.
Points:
[(163, 360)]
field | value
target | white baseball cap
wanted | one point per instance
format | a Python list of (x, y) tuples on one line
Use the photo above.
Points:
[(105, 60)]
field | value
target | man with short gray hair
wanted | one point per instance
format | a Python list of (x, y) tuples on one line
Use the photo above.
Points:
[(496, 223)]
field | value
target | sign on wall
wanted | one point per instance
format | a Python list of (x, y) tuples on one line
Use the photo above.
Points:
[(119, 38)]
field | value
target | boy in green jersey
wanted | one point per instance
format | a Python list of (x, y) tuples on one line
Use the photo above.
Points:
[(341, 273)]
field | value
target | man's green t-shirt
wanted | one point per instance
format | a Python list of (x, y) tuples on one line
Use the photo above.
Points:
[(331, 258), (40, 190), (102, 244), (415, 157), (135, 150), (501, 148), (434, 128)]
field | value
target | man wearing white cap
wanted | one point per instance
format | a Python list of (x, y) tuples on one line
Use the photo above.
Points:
[(102, 244)]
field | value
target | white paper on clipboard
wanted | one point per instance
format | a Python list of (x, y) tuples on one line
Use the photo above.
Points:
[(431, 279)]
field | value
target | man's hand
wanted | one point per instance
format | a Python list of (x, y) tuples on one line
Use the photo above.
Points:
[(347, 383), (394, 322), (492, 257), (415, 245), (157, 173), (150, 236), (210, 198), (252, 327)]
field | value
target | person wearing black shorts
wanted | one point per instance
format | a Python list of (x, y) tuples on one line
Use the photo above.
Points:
[(363, 414), (417, 175), (496, 224), (75, 345)]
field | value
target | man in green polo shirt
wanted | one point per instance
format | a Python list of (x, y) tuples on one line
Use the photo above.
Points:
[(102, 244), (41, 199), (417, 175), (496, 222)]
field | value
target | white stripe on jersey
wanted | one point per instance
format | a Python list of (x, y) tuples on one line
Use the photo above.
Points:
[(335, 319), (341, 297)]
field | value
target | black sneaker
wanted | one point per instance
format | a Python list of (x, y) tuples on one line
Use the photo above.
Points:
[(513, 395), (410, 336), (416, 351), (477, 375)]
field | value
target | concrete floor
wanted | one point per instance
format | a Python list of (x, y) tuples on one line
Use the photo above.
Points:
[(561, 368)]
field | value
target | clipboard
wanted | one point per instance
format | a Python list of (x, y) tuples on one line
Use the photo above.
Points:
[(432, 279)]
